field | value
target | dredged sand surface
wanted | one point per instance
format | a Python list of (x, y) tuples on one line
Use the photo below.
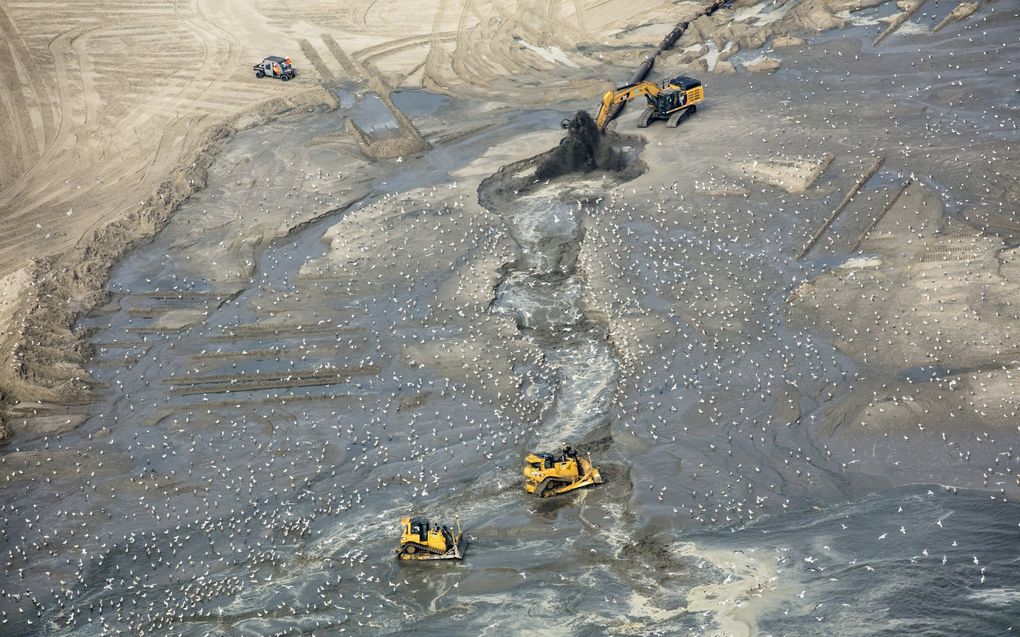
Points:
[(289, 387)]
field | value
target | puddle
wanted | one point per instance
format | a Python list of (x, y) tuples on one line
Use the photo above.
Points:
[(927, 373), (369, 112), (420, 103)]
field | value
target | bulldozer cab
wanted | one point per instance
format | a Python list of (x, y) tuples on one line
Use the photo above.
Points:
[(563, 462), (417, 527), (549, 460), (545, 461)]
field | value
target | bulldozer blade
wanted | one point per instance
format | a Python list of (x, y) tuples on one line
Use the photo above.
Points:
[(580, 484)]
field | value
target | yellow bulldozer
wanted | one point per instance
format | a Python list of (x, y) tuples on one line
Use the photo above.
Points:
[(422, 540), (672, 100), (547, 474)]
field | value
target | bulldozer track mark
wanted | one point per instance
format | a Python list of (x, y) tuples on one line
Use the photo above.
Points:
[(270, 352), (316, 60), (878, 218), (431, 66), (345, 61), (205, 73), (579, 10), (247, 331), (321, 381), (28, 71), (216, 297), (219, 379), (391, 46), (863, 179), (15, 103), (60, 50), (246, 401), (322, 13), (417, 42)]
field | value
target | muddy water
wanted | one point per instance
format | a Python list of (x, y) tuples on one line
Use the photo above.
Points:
[(246, 469), (542, 292)]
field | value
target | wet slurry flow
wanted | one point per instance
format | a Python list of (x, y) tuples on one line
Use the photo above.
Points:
[(542, 292)]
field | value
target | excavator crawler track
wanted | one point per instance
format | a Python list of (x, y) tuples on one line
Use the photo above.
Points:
[(678, 117), (647, 117)]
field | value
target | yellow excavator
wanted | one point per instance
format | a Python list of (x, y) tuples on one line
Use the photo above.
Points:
[(547, 474), (672, 100), (422, 540)]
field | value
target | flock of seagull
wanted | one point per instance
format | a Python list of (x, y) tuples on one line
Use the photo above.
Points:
[(267, 504)]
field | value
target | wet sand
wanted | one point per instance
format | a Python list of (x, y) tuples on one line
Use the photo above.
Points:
[(301, 357)]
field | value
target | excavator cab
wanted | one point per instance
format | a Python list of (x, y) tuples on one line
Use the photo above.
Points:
[(548, 474), (677, 99), (672, 100), (422, 540)]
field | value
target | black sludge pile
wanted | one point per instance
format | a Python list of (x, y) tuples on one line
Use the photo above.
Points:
[(584, 149)]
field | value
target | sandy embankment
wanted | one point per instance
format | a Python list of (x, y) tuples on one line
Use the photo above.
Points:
[(75, 196), (116, 114), (930, 311), (42, 355)]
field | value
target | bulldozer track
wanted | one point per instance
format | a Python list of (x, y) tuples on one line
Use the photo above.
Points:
[(407, 549), (547, 488)]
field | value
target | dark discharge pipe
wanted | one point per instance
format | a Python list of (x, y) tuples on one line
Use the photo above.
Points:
[(667, 43)]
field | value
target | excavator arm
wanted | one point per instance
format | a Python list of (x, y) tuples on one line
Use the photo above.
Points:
[(623, 94)]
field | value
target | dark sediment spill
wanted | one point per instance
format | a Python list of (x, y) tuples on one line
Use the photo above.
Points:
[(583, 150)]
